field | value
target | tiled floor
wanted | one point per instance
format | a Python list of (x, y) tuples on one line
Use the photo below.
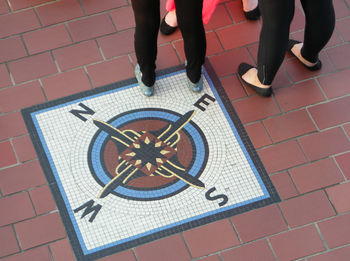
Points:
[(51, 49)]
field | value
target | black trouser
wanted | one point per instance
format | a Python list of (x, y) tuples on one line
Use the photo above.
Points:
[(189, 17), (277, 16)]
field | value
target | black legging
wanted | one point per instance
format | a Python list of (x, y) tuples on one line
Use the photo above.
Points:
[(189, 17), (277, 16)]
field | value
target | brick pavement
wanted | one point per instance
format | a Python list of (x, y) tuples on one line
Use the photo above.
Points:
[(51, 49)]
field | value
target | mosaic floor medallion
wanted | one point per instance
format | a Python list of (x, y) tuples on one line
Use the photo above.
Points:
[(126, 169)]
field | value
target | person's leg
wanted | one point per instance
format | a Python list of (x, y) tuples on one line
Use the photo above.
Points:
[(147, 19), (277, 16), (189, 18), (320, 21)]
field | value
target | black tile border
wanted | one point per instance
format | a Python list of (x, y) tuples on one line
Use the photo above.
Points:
[(274, 197)]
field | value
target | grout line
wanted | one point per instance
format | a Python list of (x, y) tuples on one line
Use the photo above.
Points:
[(235, 230), (134, 253), (110, 17), (283, 217), (295, 186), (42, 89), (56, 63), (70, 36), (82, 8), (21, 36), (89, 78), (14, 151), (187, 247), (321, 236), (11, 76), (339, 168), (271, 248), (16, 236), (329, 250), (37, 16), (100, 49), (50, 252), (330, 201)]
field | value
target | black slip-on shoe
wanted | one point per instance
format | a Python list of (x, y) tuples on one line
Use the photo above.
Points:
[(165, 28), (253, 14), (242, 69), (315, 67)]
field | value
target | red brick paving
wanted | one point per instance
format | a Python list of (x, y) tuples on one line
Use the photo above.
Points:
[(7, 154), (8, 242), (50, 49), (125, 256), (38, 254), (32, 67), (338, 254), (18, 207), (42, 199), (344, 164), (283, 127), (339, 196), (65, 84), (284, 185), (331, 113), (258, 135), (299, 95), (24, 148), (259, 250), (316, 175), (21, 177), (297, 243), (77, 55), (336, 231), (213, 237), (25, 95), (36, 41), (333, 84), (307, 209), (62, 251), (5, 79), (249, 227), (14, 47), (282, 156), (325, 143), (172, 248), (40, 230)]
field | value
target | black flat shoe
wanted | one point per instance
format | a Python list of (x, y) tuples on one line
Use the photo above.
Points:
[(253, 14), (165, 28), (242, 69), (315, 67)]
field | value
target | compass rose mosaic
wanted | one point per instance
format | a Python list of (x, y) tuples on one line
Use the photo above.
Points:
[(125, 169)]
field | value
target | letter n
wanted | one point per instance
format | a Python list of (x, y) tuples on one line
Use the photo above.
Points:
[(78, 113)]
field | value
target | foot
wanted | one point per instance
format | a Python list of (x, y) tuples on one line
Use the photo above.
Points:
[(249, 76), (171, 19), (251, 9), (145, 90), (195, 87), (169, 23), (249, 5), (294, 48)]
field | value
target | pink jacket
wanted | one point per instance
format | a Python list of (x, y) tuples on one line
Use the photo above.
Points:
[(208, 8)]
